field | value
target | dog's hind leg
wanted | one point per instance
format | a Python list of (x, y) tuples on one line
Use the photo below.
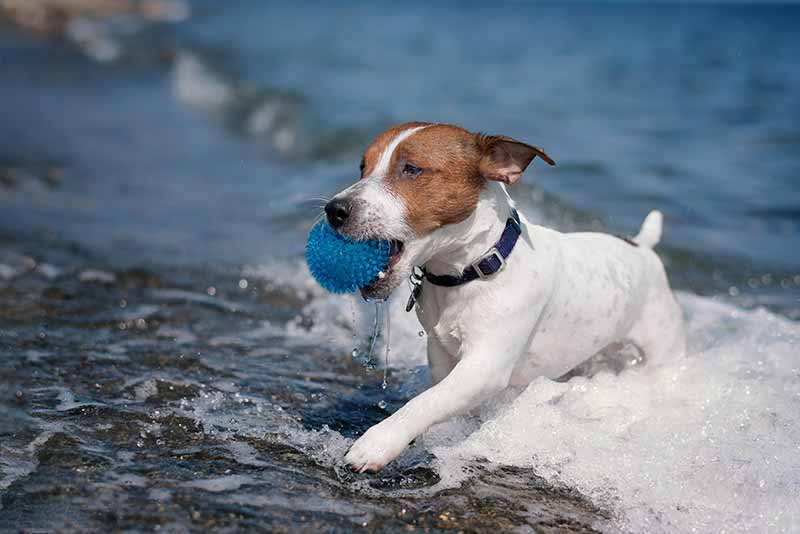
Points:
[(659, 331)]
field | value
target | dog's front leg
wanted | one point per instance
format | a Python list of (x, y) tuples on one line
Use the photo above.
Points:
[(440, 362), (475, 378)]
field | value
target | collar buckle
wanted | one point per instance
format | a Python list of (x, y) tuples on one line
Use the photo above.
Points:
[(490, 263), (493, 252)]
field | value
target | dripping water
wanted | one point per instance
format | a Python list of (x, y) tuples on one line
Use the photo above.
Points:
[(387, 350), (374, 337), (387, 340), (367, 360), (354, 352)]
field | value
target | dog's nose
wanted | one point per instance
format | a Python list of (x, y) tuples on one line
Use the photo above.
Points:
[(338, 210)]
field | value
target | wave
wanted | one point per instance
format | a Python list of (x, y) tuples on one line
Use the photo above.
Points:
[(705, 443)]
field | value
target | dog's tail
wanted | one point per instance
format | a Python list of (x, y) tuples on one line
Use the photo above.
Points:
[(650, 233)]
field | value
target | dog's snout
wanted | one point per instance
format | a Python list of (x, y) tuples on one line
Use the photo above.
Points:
[(337, 210)]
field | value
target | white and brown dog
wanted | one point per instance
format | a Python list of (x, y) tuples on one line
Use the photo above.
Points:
[(503, 301)]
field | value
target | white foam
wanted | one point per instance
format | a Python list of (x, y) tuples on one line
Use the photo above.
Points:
[(48, 271), (197, 84), (98, 276), (705, 444), (326, 446), (146, 389), (225, 483), (129, 479), (180, 295), (327, 318), (19, 462), (180, 336), (159, 494), (7, 272), (245, 454), (67, 402), (709, 443)]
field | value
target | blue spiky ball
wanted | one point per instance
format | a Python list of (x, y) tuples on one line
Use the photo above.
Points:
[(341, 264)]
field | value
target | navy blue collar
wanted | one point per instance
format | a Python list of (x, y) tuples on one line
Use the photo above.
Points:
[(487, 265), (490, 263)]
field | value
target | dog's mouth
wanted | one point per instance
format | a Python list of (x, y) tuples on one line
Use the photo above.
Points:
[(385, 282)]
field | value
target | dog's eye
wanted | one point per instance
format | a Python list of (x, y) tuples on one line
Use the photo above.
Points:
[(411, 171)]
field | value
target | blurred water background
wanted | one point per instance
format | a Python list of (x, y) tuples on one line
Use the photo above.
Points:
[(167, 362)]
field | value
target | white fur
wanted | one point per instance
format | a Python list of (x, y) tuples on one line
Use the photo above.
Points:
[(650, 234), (382, 168), (561, 299)]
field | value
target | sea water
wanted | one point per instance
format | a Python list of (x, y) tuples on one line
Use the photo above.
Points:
[(167, 362), (707, 442)]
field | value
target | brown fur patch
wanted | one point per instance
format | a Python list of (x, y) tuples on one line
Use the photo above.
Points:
[(372, 155), (447, 189), (455, 165)]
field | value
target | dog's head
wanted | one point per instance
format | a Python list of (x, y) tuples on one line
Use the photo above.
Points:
[(417, 178)]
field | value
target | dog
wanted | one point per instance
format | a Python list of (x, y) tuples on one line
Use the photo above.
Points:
[(503, 301)]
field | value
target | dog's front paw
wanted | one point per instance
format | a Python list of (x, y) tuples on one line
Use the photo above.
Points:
[(377, 447)]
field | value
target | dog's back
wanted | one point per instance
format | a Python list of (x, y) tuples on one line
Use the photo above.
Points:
[(606, 289)]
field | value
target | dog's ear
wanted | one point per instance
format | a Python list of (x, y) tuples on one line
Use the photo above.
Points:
[(504, 159)]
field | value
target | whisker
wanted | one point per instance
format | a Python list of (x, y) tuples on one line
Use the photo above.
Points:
[(319, 201)]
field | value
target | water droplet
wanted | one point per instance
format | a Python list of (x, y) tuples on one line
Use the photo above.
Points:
[(243, 283), (374, 336), (211, 291), (382, 404), (354, 353), (388, 348), (384, 384), (381, 275), (421, 333)]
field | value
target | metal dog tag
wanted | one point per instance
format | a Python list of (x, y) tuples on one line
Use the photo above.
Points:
[(413, 297), (415, 280)]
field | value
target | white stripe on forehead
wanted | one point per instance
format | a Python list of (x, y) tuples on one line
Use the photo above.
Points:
[(380, 213), (382, 168)]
